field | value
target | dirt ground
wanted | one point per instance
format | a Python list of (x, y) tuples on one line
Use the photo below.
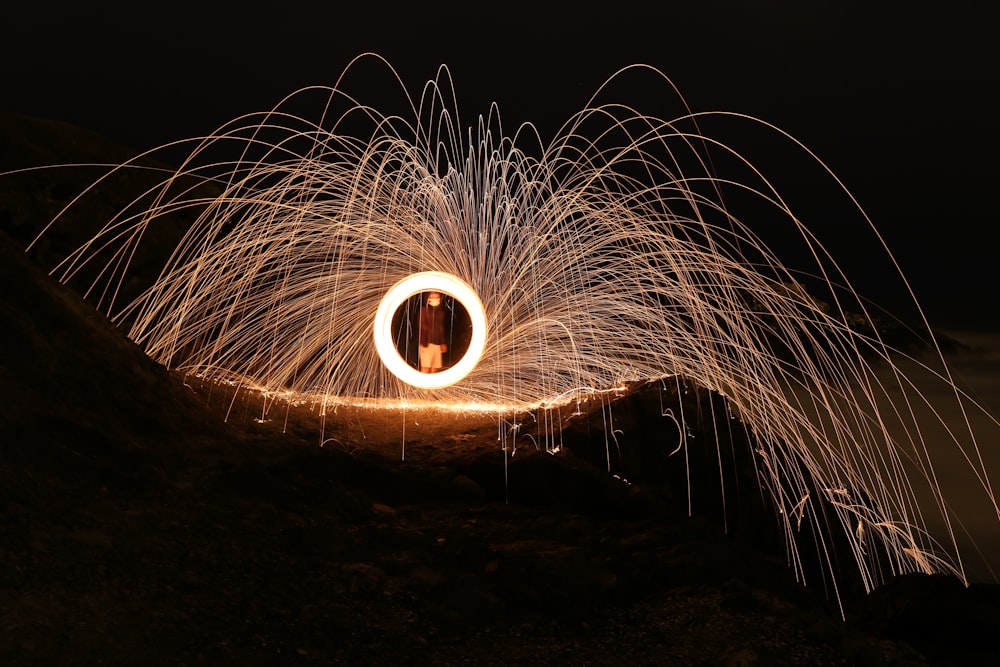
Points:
[(139, 525)]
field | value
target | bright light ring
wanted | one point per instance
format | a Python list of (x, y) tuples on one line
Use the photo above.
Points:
[(429, 281)]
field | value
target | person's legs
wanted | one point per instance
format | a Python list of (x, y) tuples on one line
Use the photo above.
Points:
[(436, 361), (430, 358), (426, 356)]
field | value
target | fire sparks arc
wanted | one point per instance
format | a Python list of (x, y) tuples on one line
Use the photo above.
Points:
[(628, 248)]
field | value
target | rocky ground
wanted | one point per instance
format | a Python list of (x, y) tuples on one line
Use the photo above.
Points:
[(140, 525), (148, 518)]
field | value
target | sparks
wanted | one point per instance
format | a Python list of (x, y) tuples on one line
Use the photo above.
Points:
[(609, 256)]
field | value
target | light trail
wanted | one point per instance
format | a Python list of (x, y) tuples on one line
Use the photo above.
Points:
[(612, 255)]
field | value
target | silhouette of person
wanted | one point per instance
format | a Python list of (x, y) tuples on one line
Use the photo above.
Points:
[(432, 334)]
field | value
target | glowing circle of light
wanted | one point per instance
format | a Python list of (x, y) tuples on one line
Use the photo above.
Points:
[(429, 281)]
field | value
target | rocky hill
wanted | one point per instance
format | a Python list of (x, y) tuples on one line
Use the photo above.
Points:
[(148, 518)]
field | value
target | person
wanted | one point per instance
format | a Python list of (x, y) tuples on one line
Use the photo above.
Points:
[(432, 334)]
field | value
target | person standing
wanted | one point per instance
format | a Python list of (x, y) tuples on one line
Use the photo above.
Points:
[(432, 334)]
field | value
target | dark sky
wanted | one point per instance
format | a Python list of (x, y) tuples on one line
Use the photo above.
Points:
[(897, 97)]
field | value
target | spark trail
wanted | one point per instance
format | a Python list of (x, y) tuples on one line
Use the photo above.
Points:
[(615, 253)]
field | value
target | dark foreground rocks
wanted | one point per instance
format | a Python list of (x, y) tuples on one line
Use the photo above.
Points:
[(138, 526)]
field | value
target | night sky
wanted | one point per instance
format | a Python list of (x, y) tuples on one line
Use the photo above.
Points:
[(896, 97)]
